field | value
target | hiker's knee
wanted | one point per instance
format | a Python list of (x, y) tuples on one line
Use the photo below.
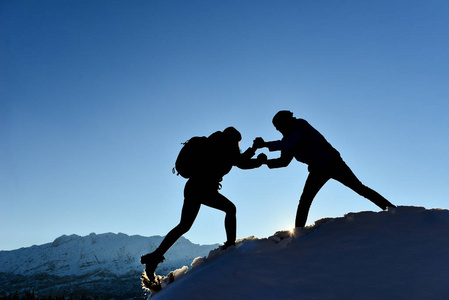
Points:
[(184, 226), (232, 210)]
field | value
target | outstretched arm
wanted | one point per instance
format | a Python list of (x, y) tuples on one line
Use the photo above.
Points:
[(283, 161), (246, 162), (286, 156), (287, 143)]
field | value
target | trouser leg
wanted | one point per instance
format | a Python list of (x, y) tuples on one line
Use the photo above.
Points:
[(314, 183), (189, 212), (195, 194), (220, 202), (345, 175)]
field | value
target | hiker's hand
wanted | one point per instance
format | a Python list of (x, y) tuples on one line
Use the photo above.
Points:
[(258, 143), (262, 158)]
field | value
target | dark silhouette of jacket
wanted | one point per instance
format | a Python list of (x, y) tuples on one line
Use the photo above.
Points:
[(306, 145), (224, 153)]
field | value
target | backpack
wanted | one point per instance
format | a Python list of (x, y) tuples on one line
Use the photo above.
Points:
[(192, 159)]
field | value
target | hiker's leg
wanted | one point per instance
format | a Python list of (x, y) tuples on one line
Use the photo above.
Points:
[(151, 260), (314, 183), (190, 209), (189, 212), (220, 202), (344, 174)]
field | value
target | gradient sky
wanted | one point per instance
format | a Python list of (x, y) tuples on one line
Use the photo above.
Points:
[(96, 97)]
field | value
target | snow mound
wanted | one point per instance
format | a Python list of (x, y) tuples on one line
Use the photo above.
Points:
[(402, 253)]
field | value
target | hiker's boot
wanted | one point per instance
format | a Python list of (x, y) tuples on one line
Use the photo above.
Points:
[(151, 260), (228, 244)]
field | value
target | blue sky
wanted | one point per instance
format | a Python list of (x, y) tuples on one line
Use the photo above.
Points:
[(97, 96)]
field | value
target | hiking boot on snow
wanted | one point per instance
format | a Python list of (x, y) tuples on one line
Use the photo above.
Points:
[(227, 245), (151, 260)]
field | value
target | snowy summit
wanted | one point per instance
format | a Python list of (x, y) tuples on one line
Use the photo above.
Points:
[(402, 253)]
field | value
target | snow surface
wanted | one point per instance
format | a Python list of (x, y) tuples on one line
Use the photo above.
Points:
[(402, 253)]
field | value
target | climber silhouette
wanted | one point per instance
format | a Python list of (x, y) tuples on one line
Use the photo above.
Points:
[(222, 153), (303, 142)]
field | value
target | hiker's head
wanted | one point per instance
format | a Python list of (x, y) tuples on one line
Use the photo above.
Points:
[(232, 134), (283, 121)]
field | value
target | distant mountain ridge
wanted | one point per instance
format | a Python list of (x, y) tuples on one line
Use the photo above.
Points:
[(97, 262)]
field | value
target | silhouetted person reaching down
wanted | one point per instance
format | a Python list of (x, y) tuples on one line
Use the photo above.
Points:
[(220, 152), (303, 142)]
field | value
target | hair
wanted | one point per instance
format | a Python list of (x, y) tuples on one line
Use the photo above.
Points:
[(282, 117), (233, 134)]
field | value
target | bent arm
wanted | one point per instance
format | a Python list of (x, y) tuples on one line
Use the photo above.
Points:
[(281, 162), (249, 164), (245, 162), (287, 143), (248, 154)]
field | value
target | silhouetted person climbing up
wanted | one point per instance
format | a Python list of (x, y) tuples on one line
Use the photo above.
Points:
[(206, 162), (303, 142)]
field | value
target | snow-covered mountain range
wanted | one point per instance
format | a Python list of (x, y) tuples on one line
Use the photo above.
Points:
[(98, 264)]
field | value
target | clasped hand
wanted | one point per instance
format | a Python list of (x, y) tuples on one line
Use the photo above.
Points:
[(262, 158), (259, 143)]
